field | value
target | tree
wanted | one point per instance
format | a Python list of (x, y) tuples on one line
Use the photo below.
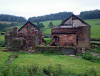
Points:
[(94, 14), (40, 25), (50, 25)]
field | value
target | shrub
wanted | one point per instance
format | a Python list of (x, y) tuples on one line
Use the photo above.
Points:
[(2, 33), (48, 40), (97, 50), (88, 56), (2, 43)]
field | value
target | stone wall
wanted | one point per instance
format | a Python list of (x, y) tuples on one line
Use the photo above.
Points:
[(13, 43), (56, 49)]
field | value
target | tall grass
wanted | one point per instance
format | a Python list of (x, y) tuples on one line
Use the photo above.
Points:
[(35, 70)]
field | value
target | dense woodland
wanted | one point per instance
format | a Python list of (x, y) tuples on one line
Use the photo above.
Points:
[(90, 14), (11, 18)]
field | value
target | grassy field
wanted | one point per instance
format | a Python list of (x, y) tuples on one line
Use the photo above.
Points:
[(73, 64), (95, 27), (68, 63), (2, 39), (3, 57), (24, 61)]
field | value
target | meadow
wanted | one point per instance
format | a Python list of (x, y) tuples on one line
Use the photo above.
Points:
[(73, 64), (3, 57), (47, 61)]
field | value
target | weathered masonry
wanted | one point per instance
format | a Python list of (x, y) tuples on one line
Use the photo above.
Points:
[(71, 32), (31, 33), (28, 36)]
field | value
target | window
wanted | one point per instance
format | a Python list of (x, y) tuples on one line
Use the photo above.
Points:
[(56, 38)]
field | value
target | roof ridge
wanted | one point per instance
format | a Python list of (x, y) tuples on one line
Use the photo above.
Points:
[(27, 23)]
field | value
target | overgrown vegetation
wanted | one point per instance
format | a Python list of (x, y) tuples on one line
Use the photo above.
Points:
[(4, 56), (48, 40), (46, 64), (36, 70), (96, 50), (89, 56)]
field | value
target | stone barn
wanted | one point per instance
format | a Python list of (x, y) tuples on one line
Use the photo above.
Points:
[(29, 35), (73, 31), (28, 32)]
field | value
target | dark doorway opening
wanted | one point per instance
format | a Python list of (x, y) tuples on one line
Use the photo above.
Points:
[(56, 38)]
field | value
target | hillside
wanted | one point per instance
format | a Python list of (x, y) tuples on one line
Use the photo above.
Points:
[(5, 25), (11, 18)]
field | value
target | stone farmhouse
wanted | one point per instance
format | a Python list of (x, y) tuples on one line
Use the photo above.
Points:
[(73, 31), (28, 36)]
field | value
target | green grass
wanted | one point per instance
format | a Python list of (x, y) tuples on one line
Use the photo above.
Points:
[(95, 28), (3, 57), (2, 39), (73, 64), (68, 63)]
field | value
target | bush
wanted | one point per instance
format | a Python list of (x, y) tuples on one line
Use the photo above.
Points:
[(89, 56), (48, 40), (96, 50), (2, 33), (2, 43)]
